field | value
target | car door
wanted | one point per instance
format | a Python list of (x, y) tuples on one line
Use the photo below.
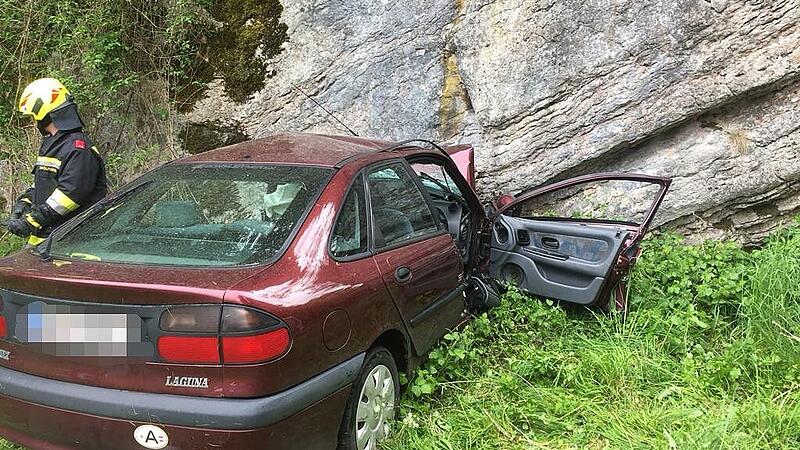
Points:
[(419, 262), (575, 240)]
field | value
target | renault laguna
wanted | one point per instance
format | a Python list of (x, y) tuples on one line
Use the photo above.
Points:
[(268, 294)]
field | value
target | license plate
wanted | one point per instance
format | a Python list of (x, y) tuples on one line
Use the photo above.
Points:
[(69, 331)]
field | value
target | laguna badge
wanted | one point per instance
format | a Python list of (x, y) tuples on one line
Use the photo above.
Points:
[(5, 354), (187, 382)]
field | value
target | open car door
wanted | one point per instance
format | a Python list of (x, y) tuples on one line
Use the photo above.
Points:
[(577, 239)]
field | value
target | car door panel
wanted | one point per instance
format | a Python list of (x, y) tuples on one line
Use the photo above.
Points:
[(425, 299), (419, 262), (573, 272), (576, 260)]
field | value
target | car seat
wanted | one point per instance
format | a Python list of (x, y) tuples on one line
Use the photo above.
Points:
[(177, 214)]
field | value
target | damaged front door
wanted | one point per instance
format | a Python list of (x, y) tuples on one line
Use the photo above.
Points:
[(575, 240)]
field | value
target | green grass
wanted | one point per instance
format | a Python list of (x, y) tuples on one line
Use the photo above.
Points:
[(709, 357), (9, 243)]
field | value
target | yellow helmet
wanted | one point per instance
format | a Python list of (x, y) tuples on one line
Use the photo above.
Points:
[(42, 97)]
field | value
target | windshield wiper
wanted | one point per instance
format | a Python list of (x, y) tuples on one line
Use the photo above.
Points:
[(102, 205)]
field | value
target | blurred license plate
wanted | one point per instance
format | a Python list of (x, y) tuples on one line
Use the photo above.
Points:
[(68, 331)]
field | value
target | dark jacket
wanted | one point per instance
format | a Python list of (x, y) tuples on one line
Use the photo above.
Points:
[(69, 176)]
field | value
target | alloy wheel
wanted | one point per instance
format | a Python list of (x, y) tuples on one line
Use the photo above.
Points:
[(376, 408)]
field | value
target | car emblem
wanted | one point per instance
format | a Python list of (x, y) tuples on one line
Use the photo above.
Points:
[(151, 436), (188, 382), (5, 354)]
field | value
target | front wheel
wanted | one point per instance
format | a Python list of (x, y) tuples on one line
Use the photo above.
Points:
[(371, 407)]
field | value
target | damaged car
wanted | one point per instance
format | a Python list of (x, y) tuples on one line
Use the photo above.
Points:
[(268, 294)]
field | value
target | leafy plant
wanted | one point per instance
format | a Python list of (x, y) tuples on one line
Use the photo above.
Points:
[(707, 358)]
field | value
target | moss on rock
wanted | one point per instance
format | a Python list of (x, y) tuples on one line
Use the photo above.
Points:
[(252, 33), (242, 35), (202, 137)]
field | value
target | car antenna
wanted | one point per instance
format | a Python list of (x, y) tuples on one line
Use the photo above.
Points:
[(328, 112)]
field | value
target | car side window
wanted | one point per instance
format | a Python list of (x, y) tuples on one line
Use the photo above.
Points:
[(350, 232), (399, 209)]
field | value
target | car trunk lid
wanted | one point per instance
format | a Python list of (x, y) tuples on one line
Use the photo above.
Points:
[(86, 322)]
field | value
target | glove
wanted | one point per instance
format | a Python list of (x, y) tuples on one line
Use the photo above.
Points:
[(20, 227), (20, 209), (22, 205)]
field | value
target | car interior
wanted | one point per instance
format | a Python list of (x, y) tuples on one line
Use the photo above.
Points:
[(397, 206), (209, 223), (451, 205), (564, 244)]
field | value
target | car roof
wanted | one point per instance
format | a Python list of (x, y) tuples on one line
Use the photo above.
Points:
[(294, 148)]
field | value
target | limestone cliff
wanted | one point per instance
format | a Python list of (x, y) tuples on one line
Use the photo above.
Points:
[(704, 91)]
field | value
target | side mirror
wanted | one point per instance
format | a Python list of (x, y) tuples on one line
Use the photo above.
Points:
[(503, 200)]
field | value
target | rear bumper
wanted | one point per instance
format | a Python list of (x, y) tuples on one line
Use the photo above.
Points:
[(177, 410), (43, 428)]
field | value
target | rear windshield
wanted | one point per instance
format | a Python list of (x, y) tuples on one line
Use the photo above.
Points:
[(197, 215)]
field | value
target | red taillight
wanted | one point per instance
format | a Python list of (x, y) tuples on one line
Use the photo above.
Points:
[(3, 326), (189, 349), (246, 335), (257, 348)]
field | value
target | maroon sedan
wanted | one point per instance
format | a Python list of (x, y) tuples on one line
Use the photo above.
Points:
[(266, 295)]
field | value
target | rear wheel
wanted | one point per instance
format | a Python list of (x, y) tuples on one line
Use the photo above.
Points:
[(371, 407)]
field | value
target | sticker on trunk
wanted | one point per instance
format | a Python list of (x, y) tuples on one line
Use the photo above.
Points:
[(151, 436), (5, 354)]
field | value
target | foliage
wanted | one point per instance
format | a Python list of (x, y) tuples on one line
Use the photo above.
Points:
[(9, 243), (115, 57), (131, 64), (707, 358), (239, 49)]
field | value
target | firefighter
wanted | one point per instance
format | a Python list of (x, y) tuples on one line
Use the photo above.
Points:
[(69, 174)]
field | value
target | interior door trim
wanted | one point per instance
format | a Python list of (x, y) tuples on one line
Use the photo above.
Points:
[(663, 182)]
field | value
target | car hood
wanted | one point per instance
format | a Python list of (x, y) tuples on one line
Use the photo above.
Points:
[(111, 283)]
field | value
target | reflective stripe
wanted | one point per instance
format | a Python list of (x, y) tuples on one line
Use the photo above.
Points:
[(35, 240), (61, 203), (29, 218), (48, 162)]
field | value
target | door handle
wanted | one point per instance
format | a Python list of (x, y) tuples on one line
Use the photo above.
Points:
[(402, 274), (550, 242)]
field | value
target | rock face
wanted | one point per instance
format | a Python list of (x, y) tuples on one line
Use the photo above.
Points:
[(705, 92)]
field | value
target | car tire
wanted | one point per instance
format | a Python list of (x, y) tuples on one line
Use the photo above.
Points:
[(372, 404)]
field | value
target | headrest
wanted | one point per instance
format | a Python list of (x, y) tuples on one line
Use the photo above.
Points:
[(177, 214)]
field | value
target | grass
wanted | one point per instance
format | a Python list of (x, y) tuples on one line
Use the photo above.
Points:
[(709, 357), (9, 243)]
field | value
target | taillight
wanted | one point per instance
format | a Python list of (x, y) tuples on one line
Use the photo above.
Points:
[(189, 349), (3, 326), (213, 334), (191, 319), (256, 348)]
